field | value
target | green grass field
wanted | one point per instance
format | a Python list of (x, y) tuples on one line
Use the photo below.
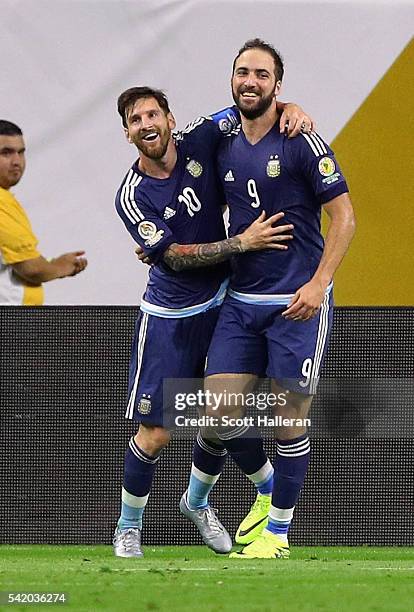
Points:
[(193, 578)]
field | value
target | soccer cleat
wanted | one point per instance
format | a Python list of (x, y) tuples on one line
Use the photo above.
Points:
[(127, 543), (254, 523), (267, 546), (213, 533)]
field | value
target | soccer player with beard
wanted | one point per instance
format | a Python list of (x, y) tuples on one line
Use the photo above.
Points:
[(170, 202), (277, 316)]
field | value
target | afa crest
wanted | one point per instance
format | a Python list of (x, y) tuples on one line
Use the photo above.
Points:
[(273, 167), (194, 168), (144, 406)]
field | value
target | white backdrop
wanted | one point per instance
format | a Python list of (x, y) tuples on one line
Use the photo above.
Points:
[(64, 63)]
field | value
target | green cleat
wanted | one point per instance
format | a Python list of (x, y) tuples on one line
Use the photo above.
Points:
[(266, 546), (256, 520)]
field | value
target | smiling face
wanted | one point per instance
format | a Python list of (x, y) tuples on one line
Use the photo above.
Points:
[(149, 127), (254, 84), (12, 160)]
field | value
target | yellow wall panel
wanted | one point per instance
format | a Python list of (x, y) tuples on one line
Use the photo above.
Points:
[(376, 152)]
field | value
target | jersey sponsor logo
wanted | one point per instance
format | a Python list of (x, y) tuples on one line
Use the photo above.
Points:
[(168, 212), (229, 177), (273, 167), (148, 231), (326, 166), (194, 168), (144, 406)]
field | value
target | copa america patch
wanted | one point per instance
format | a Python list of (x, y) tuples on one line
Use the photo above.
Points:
[(326, 166), (148, 231)]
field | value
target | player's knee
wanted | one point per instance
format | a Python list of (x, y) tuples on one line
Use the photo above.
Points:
[(290, 433), (208, 433), (219, 411), (212, 412), (297, 406), (152, 439)]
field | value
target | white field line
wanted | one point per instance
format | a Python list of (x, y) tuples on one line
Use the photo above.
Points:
[(173, 570), (237, 569), (398, 569)]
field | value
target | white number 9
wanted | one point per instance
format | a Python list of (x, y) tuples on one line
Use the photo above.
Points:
[(252, 191), (306, 372)]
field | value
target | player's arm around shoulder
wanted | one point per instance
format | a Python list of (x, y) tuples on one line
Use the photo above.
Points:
[(293, 119), (209, 130)]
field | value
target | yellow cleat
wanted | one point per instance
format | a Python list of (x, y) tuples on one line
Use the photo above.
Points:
[(254, 523), (267, 546)]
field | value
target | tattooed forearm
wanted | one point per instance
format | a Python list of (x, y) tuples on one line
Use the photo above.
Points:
[(184, 256)]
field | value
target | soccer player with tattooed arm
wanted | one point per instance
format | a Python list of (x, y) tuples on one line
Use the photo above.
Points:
[(171, 204)]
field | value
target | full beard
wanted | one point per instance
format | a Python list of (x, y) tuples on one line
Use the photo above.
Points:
[(253, 113), (155, 152)]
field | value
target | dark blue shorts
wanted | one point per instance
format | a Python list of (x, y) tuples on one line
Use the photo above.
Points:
[(164, 349), (256, 339)]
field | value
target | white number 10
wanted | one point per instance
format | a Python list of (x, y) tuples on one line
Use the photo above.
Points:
[(189, 198), (252, 191)]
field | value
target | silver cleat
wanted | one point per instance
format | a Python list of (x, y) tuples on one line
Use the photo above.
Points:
[(127, 543), (213, 533)]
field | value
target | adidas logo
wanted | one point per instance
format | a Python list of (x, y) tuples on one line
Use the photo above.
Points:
[(229, 176), (169, 212)]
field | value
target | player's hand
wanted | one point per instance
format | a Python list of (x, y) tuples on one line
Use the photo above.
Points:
[(294, 120), (306, 302), (142, 257), (262, 235), (70, 264)]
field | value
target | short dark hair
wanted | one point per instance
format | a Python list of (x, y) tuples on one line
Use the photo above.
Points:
[(130, 96), (258, 43), (7, 128)]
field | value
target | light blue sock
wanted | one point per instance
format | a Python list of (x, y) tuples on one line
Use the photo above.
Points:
[(263, 478), (208, 462)]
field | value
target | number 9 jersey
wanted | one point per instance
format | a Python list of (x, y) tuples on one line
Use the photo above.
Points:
[(293, 175), (296, 176)]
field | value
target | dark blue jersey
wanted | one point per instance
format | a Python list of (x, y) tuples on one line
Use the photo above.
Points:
[(296, 176), (184, 208)]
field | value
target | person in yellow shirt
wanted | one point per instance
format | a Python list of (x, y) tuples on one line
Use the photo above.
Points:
[(23, 269)]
